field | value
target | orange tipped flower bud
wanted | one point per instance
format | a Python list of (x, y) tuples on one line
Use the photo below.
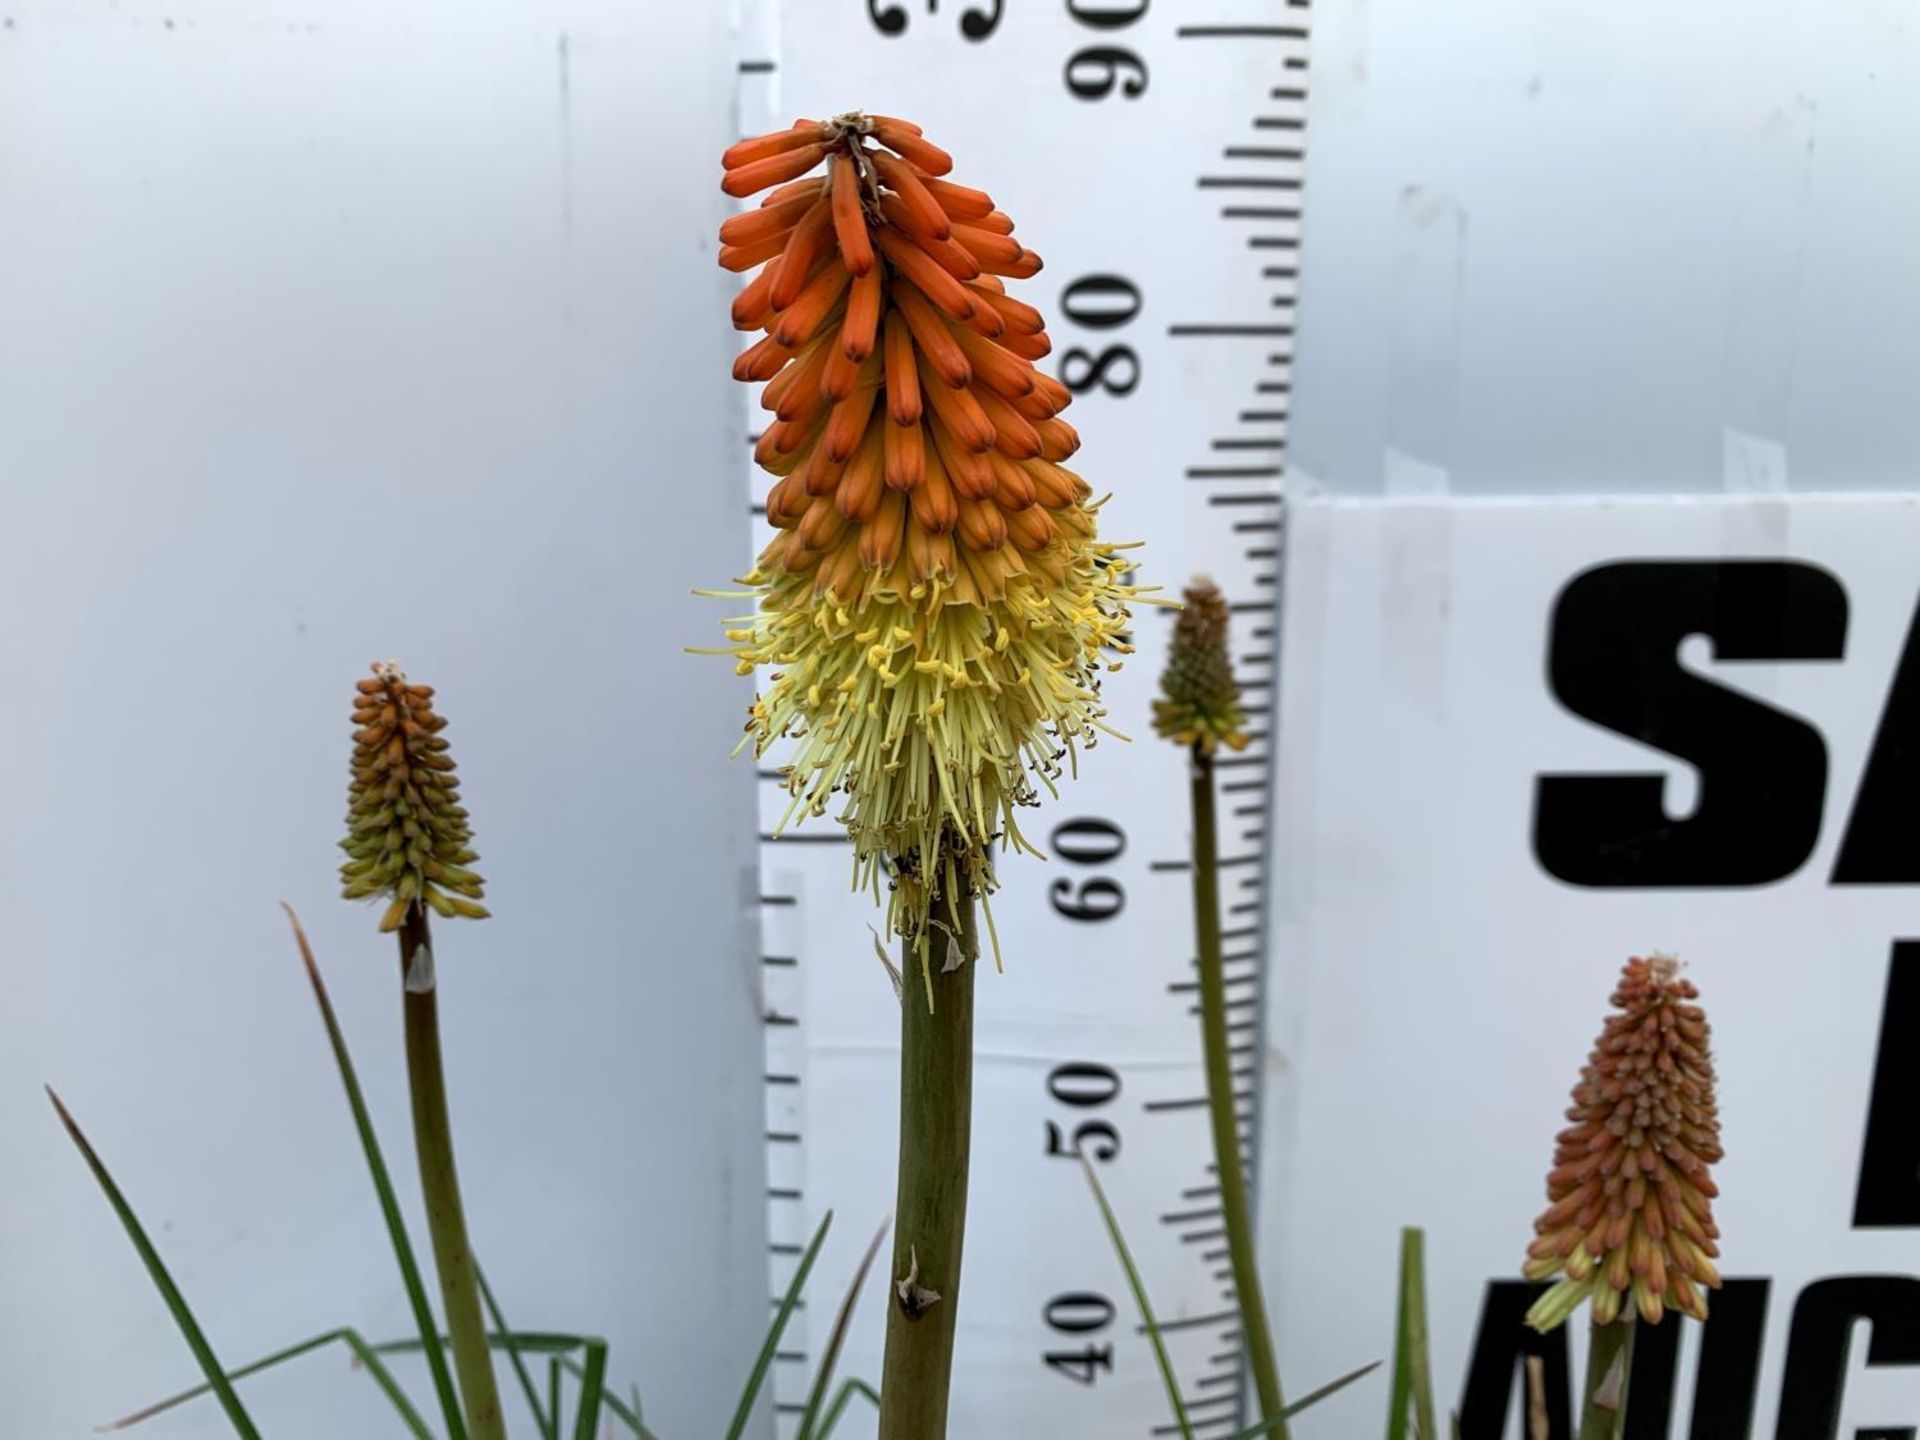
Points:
[(936, 617), (1630, 1223), (1199, 702), (407, 833)]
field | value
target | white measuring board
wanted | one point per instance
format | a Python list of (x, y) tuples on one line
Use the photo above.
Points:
[(1151, 152)]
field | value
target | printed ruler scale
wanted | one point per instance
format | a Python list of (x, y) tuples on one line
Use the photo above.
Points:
[(1153, 154)]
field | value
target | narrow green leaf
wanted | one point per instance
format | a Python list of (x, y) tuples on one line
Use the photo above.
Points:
[(547, 1422), (1411, 1401), (529, 1342), (628, 1416), (383, 1188), (832, 1356), (847, 1392), (1400, 1388), (1312, 1398), (189, 1328), (1146, 1307), (593, 1389), (765, 1359), (346, 1336)]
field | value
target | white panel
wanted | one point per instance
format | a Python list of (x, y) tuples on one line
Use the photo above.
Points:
[(1436, 990), (331, 334)]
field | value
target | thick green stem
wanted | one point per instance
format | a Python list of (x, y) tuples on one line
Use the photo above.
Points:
[(1603, 1404), (440, 1183), (1220, 1100), (930, 1213)]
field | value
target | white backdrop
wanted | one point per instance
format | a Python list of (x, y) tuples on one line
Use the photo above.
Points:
[(329, 334), (1563, 248)]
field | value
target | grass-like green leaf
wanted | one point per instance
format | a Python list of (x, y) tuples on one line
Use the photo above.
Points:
[(1305, 1402), (627, 1414), (840, 1399), (176, 1303), (383, 1188), (528, 1342), (774, 1331), (593, 1390), (824, 1378), (350, 1338), (546, 1421), (1139, 1289), (1410, 1404), (592, 1370)]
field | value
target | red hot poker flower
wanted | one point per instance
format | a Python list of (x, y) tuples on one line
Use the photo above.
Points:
[(1631, 1218)]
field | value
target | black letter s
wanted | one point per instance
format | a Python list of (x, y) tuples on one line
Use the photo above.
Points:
[(1613, 659)]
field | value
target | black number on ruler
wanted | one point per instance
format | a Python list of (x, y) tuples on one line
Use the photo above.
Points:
[(1107, 17), (1080, 1312), (976, 22), (1085, 1086), (1093, 72), (1088, 842), (1101, 302)]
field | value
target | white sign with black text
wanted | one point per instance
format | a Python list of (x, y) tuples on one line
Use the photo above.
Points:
[(1521, 741)]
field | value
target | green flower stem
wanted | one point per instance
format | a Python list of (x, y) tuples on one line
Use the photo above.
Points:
[(1226, 1125), (1603, 1407), (930, 1214), (440, 1186)]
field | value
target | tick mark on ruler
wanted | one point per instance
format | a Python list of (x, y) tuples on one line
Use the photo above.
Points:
[(1194, 1322), (1156, 1107), (1242, 32), (1247, 182), (1201, 331)]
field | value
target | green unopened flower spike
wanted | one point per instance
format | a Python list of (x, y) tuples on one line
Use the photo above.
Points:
[(1199, 709), (1199, 702), (407, 833), (1630, 1225)]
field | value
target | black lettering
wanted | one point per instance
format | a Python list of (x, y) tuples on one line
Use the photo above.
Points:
[(1613, 659), (1496, 1370), (1726, 1385), (1816, 1365), (1725, 1390), (1882, 843), (1889, 1188)]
